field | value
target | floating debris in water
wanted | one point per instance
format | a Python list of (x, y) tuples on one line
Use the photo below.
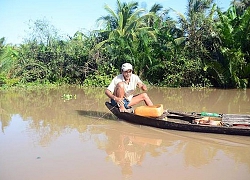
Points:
[(67, 97)]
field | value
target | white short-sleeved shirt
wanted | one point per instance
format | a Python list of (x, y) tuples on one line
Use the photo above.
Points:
[(128, 88)]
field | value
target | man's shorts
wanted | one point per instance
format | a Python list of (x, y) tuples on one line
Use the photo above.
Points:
[(125, 102)]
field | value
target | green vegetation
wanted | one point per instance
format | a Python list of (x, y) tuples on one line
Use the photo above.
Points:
[(206, 47)]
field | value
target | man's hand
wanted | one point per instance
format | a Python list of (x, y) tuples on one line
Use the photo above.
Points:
[(120, 104), (118, 100), (144, 87)]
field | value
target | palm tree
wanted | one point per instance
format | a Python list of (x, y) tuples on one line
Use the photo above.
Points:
[(240, 5), (193, 39), (124, 29), (166, 49), (156, 8), (8, 58), (232, 68), (197, 23)]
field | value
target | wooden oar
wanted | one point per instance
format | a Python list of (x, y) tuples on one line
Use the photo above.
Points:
[(193, 115)]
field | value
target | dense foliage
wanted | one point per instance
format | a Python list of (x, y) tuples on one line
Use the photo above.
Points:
[(205, 47)]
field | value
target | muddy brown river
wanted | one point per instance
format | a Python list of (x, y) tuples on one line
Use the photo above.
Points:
[(68, 134)]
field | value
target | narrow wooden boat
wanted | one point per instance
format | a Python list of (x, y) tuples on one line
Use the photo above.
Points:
[(233, 124)]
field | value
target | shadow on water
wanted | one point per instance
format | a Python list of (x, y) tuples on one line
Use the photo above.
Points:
[(97, 114)]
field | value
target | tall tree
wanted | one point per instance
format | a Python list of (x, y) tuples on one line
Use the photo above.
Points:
[(195, 25), (232, 68), (240, 5), (8, 59), (124, 28)]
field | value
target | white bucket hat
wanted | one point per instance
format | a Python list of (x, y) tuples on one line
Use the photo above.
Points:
[(127, 66)]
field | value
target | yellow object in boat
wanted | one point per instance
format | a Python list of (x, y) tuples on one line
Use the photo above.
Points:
[(149, 111)]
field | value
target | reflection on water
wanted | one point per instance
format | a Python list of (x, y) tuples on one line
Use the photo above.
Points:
[(132, 145), (127, 150), (79, 135)]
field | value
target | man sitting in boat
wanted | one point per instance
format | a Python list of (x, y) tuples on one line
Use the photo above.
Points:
[(121, 89)]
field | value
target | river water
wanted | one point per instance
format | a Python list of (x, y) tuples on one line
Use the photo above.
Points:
[(48, 135)]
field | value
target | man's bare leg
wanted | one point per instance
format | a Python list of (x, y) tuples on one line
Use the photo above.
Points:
[(119, 92), (141, 97)]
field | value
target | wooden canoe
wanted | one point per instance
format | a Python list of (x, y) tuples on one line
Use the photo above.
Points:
[(185, 122)]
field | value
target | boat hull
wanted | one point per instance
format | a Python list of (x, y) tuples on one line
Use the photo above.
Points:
[(185, 125)]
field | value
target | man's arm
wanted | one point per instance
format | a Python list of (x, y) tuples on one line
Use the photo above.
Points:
[(109, 94), (142, 86)]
